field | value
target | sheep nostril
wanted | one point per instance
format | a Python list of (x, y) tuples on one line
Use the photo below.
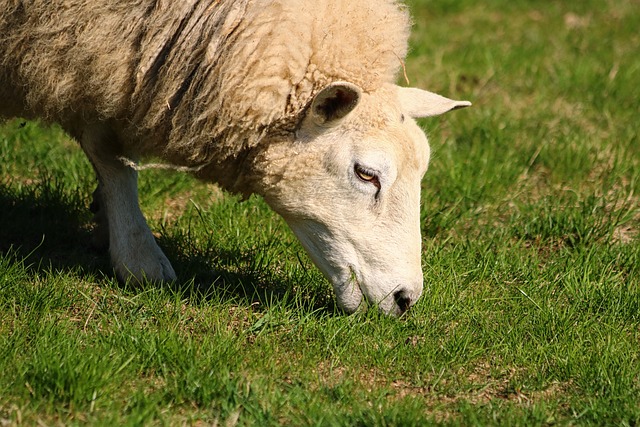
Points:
[(403, 300)]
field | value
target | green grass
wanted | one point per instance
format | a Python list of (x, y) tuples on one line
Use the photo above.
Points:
[(531, 311)]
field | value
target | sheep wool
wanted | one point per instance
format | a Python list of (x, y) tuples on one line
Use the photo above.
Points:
[(200, 84)]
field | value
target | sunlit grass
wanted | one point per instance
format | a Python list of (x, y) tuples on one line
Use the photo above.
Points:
[(531, 255)]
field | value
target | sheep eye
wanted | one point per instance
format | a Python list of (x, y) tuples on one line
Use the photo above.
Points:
[(364, 174), (367, 175)]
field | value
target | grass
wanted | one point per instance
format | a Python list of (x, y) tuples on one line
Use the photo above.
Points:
[(531, 311)]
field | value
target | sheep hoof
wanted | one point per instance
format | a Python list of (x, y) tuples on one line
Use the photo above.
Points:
[(158, 269), (141, 260)]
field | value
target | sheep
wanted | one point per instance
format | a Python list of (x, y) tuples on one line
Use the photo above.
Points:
[(293, 100)]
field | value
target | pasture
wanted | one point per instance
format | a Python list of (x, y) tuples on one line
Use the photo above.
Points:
[(531, 256)]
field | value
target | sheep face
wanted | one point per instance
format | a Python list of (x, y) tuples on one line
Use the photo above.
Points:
[(349, 188)]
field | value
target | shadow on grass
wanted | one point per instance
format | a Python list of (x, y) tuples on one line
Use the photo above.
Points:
[(238, 276), (50, 229), (47, 227)]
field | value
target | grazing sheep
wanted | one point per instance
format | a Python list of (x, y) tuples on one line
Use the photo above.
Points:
[(293, 100)]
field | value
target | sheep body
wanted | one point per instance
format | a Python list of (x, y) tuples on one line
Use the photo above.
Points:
[(290, 99)]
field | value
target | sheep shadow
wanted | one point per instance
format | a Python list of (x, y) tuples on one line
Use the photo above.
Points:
[(46, 227), (50, 229)]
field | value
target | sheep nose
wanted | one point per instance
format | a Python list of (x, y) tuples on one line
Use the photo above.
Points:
[(404, 300)]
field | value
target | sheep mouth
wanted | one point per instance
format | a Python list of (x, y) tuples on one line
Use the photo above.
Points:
[(353, 290), (349, 293)]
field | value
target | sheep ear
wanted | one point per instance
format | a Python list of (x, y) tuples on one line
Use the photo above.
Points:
[(420, 103), (334, 102)]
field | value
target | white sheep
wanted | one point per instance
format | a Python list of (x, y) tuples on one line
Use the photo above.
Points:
[(293, 100)]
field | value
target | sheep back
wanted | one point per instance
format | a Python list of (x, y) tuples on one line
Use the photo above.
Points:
[(193, 82)]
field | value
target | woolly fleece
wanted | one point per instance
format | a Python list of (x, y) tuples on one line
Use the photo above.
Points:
[(196, 83)]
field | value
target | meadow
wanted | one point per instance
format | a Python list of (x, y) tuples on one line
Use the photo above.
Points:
[(531, 256)]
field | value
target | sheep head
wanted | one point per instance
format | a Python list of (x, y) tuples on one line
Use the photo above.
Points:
[(348, 185)]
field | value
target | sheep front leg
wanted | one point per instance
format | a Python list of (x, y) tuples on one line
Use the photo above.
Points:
[(133, 249)]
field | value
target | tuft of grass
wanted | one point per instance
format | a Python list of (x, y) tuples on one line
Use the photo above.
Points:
[(531, 309)]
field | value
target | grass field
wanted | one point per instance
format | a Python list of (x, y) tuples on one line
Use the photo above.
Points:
[(531, 220)]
